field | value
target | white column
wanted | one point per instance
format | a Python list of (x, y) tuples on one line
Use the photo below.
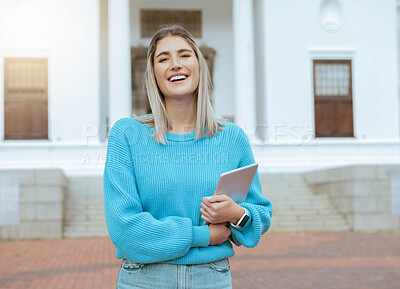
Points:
[(119, 61), (243, 39), (398, 52), (260, 34)]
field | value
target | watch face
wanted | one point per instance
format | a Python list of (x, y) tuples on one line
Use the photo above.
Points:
[(244, 221)]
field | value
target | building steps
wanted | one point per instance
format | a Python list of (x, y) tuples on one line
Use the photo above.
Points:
[(297, 208), (84, 208)]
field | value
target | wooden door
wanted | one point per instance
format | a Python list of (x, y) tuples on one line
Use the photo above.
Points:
[(25, 98), (333, 98)]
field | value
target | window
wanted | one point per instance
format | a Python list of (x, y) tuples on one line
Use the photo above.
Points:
[(25, 98), (151, 20), (140, 104), (333, 98)]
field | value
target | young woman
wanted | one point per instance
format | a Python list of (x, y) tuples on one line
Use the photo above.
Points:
[(161, 172)]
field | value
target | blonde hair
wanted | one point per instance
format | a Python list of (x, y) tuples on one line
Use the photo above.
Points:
[(205, 117)]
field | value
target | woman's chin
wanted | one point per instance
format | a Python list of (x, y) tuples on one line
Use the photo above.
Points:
[(179, 95)]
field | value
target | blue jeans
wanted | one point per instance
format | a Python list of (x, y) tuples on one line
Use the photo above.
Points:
[(214, 275)]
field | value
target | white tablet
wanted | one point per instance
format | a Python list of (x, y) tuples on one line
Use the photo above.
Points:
[(236, 183)]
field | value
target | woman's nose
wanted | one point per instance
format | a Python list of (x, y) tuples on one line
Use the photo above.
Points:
[(175, 64)]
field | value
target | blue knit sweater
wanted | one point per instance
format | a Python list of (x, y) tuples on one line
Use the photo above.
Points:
[(153, 192)]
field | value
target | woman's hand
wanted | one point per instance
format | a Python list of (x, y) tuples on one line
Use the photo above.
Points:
[(220, 209), (219, 233)]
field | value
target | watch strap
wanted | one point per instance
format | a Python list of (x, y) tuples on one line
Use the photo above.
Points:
[(243, 220)]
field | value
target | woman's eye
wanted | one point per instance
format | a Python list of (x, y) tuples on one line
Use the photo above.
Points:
[(185, 55), (163, 59)]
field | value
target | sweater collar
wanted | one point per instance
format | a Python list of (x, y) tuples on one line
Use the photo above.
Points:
[(180, 137)]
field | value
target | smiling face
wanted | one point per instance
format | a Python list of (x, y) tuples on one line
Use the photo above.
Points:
[(176, 67)]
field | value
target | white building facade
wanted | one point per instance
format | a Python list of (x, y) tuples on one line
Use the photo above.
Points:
[(265, 75)]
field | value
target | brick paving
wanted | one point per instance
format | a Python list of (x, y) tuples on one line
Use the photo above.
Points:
[(282, 260)]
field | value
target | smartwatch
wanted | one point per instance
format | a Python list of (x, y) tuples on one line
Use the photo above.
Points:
[(242, 221)]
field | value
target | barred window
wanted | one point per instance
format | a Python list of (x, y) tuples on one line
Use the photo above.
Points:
[(332, 79)]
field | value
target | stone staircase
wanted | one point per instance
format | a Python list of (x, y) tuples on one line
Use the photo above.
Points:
[(84, 208), (297, 208)]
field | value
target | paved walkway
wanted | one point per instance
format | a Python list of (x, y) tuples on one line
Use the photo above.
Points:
[(282, 260)]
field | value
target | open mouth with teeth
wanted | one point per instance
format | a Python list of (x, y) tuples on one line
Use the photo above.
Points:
[(177, 78)]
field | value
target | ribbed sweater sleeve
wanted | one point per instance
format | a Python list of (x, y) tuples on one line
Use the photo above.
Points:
[(136, 234), (259, 207)]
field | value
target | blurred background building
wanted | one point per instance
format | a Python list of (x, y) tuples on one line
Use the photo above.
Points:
[(313, 83)]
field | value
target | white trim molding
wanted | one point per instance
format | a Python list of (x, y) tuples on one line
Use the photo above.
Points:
[(331, 53), (296, 157), (72, 158)]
